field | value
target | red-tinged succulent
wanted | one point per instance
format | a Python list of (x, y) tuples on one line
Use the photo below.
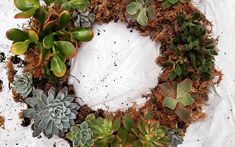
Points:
[(146, 133), (177, 98)]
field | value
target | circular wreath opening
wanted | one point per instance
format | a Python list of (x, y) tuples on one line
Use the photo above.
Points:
[(58, 28)]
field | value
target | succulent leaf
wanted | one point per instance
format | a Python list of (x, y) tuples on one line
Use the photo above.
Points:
[(58, 66), (183, 88), (19, 48), (26, 14), (51, 113), (83, 35), (25, 5), (33, 36), (133, 8), (142, 18), (80, 5), (182, 112), (48, 41), (64, 18), (66, 48), (170, 103), (16, 35), (84, 20)]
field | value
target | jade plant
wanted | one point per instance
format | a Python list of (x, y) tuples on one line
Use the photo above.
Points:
[(169, 3), (146, 133), (193, 49), (23, 84), (81, 135), (140, 11), (53, 113), (177, 97), (52, 34)]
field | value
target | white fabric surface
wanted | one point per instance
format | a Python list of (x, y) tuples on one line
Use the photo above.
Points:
[(216, 131)]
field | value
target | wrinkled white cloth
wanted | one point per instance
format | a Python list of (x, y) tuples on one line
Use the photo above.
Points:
[(218, 130)]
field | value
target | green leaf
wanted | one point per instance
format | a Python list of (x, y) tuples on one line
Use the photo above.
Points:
[(83, 35), (19, 48), (142, 18), (69, 135), (169, 103), (26, 14), (16, 35), (33, 36), (122, 133), (128, 123), (48, 2), (58, 66), (66, 48), (180, 19), (116, 124), (151, 13), (115, 142), (80, 5), (64, 18), (183, 88), (172, 1), (193, 59), (168, 63), (43, 53), (182, 112), (178, 70), (25, 5), (90, 117), (173, 74), (133, 8), (148, 116), (49, 25), (48, 41), (186, 99), (166, 4), (196, 16)]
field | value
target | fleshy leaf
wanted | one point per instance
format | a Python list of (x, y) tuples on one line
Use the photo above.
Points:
[(173, 1), (66, 48), (26, 14), (49, 25), (169, 103), (48, 2), (183, 88), (133, 8), (64, 18), (182, 112), (128, 123), (83, 35), (20, 48), (186, 99), (25, 5), (142, 18), (33, 36), (58, 66), (116, 124), (48, 41), (16, 35)]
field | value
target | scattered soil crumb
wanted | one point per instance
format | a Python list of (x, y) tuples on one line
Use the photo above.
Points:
[(1, 83), (2, 120)]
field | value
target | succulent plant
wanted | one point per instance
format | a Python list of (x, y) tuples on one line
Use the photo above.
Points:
[(55, 41), (81, 135), (193, 49), (51, 113), (169, 3), (140, 10), (23, 84), (79, 5), (146, 133), (177, 97), (175, 138), (84, 20), (104, 130)]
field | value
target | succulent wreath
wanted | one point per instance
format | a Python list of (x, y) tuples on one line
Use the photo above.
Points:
[(52, 38)]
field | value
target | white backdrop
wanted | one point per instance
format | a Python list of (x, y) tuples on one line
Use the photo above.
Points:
[(218, 130)]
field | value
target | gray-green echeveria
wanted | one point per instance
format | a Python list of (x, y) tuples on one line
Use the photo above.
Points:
[(52, 114), (81, 135), (23, 84), (84, 20)]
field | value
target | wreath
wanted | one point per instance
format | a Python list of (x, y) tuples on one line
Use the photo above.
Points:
[(55, 32)]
